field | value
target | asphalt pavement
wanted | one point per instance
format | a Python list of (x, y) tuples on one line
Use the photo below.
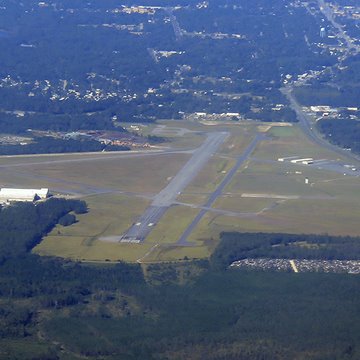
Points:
[(165, 198), (241, 159), (309, 131)]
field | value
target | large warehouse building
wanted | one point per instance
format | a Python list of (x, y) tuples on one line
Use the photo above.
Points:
[(8, 195)]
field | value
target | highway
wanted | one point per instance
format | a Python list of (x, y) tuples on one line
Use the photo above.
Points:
[(240, 160), (306, 126), (165, 198), (303, 118)]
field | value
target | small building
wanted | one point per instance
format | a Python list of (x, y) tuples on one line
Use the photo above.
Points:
[(288, 158), (8, 195), (302, 161)]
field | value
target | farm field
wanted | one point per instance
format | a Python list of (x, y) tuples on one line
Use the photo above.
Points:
[(263, 195)]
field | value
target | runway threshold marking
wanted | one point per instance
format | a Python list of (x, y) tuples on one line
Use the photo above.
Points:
[(167, 196)]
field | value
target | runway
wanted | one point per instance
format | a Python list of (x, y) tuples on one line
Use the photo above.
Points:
[(165, 198), (241, 159)]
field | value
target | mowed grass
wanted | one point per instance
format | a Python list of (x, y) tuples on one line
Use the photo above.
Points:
[(317, 216), (278, 178), (340, 186), (240, 204), (133, 174), (291, 141), (193, 198), (175, 253), (239, 138), (283, 131), (210, 176), (109, 215), (171, 226), (290, 216)]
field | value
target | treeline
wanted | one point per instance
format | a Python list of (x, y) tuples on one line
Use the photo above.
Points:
[(23, 224), (236, 246), (46, 282), (320, 94), (12, 124), (212, 314), (341, 132), (49, 145)]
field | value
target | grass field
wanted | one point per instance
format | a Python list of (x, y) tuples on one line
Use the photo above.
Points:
[(278, 178), (235, 202), (264, 195), (109, 215), (209, 177), (172, 225), (101, 174), (291, 141)]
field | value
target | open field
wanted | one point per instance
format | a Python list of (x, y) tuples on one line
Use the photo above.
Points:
[(100, 175), (176, 253), (235, 202), (291, 216), (172, 224), (209, 177), (291, 141), (109, 214), (264, 195), (279, 178)]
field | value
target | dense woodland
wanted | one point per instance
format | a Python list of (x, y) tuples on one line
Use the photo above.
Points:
[(322, 94), (342, 132), (57, 309), (22, 225), (49, 145), (236, 246)]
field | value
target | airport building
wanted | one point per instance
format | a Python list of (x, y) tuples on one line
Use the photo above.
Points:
[(8, 195)]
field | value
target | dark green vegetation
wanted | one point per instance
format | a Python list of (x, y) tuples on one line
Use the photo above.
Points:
[(56, 309), (48, 145), (236, 246), (74, 66), (320, 94), (230, 315), (342, 132), (22, 225)]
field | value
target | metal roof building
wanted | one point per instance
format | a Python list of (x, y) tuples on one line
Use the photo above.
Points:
[(12, 194)]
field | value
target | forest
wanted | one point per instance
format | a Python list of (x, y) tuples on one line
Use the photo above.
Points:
[(52, 308), (320, 94), (341, 132), (48, 145), (236, 246)]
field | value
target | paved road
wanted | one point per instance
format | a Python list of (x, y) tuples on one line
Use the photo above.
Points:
[(174, 23), (241, 159), (139, 231), (305, 123), (327, 12), (183, 178)]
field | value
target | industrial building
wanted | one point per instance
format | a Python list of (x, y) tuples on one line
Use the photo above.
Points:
[(8, 195)]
